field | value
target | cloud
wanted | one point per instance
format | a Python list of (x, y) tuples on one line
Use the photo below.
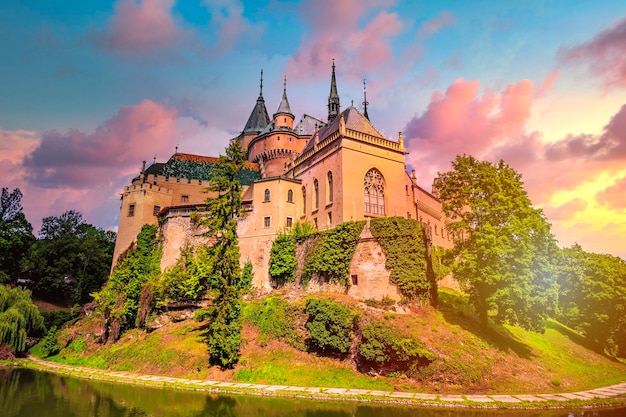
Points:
[(428, 29), (604, 55), (140, 27), (344, 31), (565, 211), (614, 196), (227, 17), (546, 86), (14, 146)]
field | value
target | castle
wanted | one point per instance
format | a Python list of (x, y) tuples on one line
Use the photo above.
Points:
[(325, 172)]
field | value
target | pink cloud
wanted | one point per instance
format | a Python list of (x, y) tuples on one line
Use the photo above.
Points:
[(143, 26), (614, 196), (546, 86), (428, 29), (604, 55), (337, 32), (565, 211)]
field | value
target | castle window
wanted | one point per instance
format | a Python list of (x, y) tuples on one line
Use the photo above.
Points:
[(406, 188), (184, 198), (267, 195), (155, 210), (267, 222), (329, 179), (355, 279), (315, 222), (131, 210), (303, 200), (330, 219), (289, 222), (374, 192), (436, 230), (316, 196), (290, 196)]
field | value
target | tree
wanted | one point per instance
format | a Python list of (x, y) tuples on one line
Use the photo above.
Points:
[(502, 244), (224, 330), (16, 235), (19, 318), (71, 259)]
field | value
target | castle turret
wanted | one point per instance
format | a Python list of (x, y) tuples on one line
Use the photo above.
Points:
[(333, 98), (283, 116), (257, 121)]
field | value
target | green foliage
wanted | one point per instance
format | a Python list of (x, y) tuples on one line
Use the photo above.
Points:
[(223, 333), (19, 318), (276, 319), (333, 253), (441, 261), (384, 347), (245, 283), (119, 300), (186, 281), (50, 345), (402, 242), (181, 168), (331, 325), (58, 317), (16, 235), (384, 303), (283, 259), (503, 246), (593, 297), (71, 259)]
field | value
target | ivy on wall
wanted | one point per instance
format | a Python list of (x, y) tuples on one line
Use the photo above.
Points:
[(402, 242), (333, 253), (181, 168)]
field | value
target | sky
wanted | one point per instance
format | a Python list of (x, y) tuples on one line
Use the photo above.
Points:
[(90, 89)]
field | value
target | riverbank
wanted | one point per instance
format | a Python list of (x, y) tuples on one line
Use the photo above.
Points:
[(610, 396)]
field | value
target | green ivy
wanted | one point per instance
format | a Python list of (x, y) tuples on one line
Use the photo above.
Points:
[(402, 242), (333, 253), (441, 261), (276, 319), (283, 259)]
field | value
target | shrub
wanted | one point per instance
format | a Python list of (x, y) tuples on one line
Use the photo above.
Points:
[(283, 259), (276, 319), (331, 326), (386, 348), (50, 345), (58, 318)]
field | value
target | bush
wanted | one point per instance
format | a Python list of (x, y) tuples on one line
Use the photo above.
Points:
[(276, 319), (283, 259), (387, 349), (58, 318), (331, 326), (50, 345)]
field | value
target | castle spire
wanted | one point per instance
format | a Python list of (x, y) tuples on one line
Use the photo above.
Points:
[(365, 103), (258, 117), (333, 98), (283, 107)]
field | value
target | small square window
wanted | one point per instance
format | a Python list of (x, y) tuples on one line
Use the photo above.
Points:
[(156, 210), (184, 198), (289, 222), (267, 222), (131, 210), (355, 279)]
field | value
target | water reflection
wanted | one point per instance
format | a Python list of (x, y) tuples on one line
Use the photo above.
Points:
[(30, 393)]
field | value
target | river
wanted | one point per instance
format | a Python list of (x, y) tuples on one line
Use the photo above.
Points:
[(29, 393)]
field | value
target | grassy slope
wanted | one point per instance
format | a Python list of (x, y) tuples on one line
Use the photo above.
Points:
[(505, 359)]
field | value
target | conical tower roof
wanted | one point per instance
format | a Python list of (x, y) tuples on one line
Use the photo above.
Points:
[(333, 98), (283, 107), (258, 118)]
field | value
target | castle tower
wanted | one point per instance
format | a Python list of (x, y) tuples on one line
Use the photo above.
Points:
[(257, 121), (283, 116), (333, 98)]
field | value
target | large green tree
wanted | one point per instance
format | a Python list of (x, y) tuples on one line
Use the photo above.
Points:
[(224, 330), (503, 245), (16, 235), (592, 298), (19, 318), (71, 259)]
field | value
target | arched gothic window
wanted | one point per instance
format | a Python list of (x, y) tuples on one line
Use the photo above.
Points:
[(290, 196), (329, 187), (316, 196), (267, 195), (303, 200), (374, 192)]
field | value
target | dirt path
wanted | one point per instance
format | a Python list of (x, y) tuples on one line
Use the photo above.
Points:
[(610, 395)]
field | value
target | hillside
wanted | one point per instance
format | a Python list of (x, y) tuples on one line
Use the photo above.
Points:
[(466, 359)]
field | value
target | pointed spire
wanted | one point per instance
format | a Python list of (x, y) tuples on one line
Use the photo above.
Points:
[(333, 98), (365, 103), (258, 117), (283, 107)]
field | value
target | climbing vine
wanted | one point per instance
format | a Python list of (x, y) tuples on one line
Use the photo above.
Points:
[(333, 253), (402, 242)]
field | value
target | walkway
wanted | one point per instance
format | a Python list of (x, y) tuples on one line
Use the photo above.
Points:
[(613, 393)]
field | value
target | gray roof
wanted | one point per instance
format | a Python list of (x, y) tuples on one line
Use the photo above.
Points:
[(283, 107), (354, 120), (307, 124), (258, 118)]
